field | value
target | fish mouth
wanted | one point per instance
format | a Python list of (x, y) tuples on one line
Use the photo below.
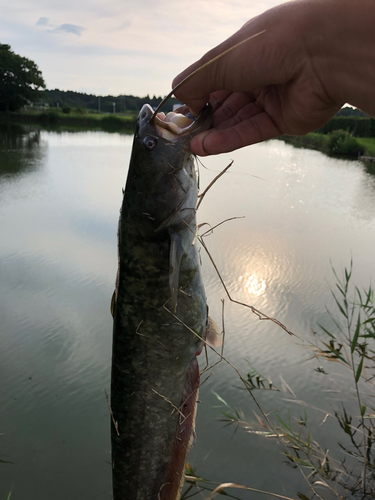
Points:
[(177, 124)]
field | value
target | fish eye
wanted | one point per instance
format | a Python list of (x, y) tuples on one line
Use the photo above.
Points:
[(149, 142)]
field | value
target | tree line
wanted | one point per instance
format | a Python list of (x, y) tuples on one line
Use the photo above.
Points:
[(20, 80), (80, 100), (358, 126), (22, 83)]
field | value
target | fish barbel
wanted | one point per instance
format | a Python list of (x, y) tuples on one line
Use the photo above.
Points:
[(155, 373)]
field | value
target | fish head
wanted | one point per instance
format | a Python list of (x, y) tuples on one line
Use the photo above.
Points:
[(177, 126), (162, 167)]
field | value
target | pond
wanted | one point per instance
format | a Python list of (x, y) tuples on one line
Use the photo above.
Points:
[(296, 213)]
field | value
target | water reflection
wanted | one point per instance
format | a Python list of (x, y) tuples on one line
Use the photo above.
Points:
[(369, 166), (59, 205), (364, 200), (21, 149), (57, 268), (255, 285)]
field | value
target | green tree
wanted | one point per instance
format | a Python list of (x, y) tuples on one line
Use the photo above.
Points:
[(20, 80), (342, 143)]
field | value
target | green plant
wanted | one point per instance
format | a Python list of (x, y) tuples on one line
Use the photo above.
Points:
[(349, 342), (256, 381), (352, 344), (20, 80), (342, 143), (197, 485), (50, 116)]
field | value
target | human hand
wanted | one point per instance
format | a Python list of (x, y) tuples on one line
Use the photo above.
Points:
[(287, 80)]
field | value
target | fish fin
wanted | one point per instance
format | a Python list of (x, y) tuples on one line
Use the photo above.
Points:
[(182, 215), (213, 337), (113, 302), (171, 219), (175, 256)]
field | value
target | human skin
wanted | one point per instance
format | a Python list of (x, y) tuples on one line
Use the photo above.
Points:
[(313, 57)]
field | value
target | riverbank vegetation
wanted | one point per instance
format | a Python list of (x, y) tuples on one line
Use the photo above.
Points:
[(342, 142), (337, 143), (348, 471), (24, 98), (20, 80), (105, 104), (79, 118), (349, 134)]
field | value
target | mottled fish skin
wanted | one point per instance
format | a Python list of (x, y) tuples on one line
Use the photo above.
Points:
[(154, 366)]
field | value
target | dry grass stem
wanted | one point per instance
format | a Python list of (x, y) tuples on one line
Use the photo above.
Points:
[(223, 486), (220, 223), (277, 434), (200, 69), (261, 316), (201, 196), (170, 402)]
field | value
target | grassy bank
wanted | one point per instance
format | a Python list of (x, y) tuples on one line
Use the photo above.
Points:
[(326, 144), (81, 119), (312, 140), (368, 143), (53, 118)]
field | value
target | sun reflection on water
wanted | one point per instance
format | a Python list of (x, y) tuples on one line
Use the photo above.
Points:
[(255, 285)]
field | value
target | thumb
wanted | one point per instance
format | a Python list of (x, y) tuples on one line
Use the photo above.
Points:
[(216, 70)]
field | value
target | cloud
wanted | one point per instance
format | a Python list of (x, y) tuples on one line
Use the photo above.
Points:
[(69, 28), (135, 50), (42, 21)]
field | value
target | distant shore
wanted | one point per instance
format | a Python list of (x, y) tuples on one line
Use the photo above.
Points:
[(320, 142), (55, 118), (52, 118)]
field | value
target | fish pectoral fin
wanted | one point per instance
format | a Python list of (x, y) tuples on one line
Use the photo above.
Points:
[(213, 337), (181, 216), (175, 257), (170, 220)]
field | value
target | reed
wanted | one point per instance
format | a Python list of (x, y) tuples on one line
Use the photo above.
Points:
[(349, 342)]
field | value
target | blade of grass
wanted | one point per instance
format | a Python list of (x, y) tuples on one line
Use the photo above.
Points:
[(340, 306), (359, 369), (356, 333)]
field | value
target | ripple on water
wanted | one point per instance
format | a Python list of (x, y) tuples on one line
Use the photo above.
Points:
[(57, 320)]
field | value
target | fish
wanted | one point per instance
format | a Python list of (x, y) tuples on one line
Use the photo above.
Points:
[(159, 307)]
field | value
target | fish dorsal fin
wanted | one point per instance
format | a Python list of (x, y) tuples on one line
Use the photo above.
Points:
[(213, 337), (175, 256)]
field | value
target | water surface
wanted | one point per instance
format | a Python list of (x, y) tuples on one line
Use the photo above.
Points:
[(60, 195)]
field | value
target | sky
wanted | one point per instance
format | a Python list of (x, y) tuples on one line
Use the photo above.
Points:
[(113, 47)]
